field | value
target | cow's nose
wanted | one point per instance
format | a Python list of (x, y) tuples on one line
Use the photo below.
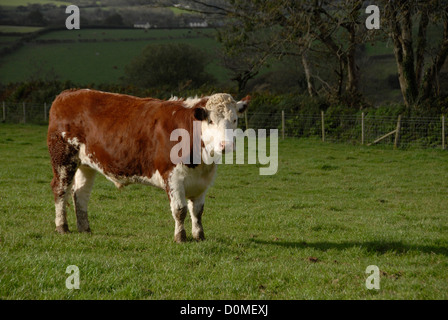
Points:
[(226, 146)]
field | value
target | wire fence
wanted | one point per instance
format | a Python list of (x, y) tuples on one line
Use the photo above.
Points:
[(362, 129), (25, 113)]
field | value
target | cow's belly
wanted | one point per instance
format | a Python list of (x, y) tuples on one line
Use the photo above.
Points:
[(155, 180)]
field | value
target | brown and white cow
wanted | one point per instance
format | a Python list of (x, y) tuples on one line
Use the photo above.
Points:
[(127, 139)]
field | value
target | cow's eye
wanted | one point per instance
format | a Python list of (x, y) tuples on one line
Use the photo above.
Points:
[(210, 121), (234, 121)]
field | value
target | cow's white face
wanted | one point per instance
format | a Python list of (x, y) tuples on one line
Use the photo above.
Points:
[(222, 113)]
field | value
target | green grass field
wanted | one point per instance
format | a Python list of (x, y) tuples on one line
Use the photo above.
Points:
[(18, 29), (308, 232), (16, 3), (102, 61)]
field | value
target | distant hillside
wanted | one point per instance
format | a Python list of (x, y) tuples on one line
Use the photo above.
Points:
[(94, 55)]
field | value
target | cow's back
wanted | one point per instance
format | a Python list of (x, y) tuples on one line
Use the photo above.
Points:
[(122, 135)]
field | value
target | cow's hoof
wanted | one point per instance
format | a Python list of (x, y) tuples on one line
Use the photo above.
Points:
[(62, 229), (85, 231), (180, 236), (199, 236)]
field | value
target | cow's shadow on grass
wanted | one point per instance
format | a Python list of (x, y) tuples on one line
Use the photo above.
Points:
[(379, 247)]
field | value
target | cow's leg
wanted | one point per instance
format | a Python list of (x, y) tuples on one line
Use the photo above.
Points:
[(196, 208), (64, 160), (179, 209), (61, 184), (82, 186)]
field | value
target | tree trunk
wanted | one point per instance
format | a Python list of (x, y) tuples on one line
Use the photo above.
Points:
[(308, 75), (431, 75), (421, 45), (352, 74), (408, 57), (401, 34)]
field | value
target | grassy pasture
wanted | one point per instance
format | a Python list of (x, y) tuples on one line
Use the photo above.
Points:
[(18, 29), (16, 3), (102, 61), (308, 232)]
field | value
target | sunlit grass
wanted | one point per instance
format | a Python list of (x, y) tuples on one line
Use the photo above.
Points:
[(308, 232)]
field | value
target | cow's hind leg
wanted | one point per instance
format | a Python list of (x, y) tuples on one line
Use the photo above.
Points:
[(82, 187), (64, 159), (196, 208)]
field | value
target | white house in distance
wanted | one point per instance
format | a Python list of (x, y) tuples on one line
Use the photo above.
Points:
[(142, 25), (198, 24)]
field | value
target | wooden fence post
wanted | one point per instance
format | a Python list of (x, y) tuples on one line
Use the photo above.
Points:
[(283, 124), (362, 129), (397, 132), (323, 125), (24, 113), (443, 133)]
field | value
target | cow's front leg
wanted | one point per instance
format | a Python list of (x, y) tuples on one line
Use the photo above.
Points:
[(179, 210), (196, 208)]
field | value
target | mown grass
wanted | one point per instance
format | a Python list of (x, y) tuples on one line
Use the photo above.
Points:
[(308, 232)]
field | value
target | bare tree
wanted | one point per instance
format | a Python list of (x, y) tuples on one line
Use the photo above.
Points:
[(291, 27), (400, 17)]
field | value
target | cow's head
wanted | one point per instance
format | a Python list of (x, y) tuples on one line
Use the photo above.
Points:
[(220, 114)]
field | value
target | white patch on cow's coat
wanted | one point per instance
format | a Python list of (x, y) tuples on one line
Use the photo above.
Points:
[(189, 183), (198, 180), (82, 185), (176, 188), (195, 207), (190, 102), (61, 215), (156, 180), (73, 141), (86, 159)]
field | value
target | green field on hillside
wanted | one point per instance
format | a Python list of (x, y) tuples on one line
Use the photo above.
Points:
[(16, 3), (307, 232), (96, 55), (18, 29)]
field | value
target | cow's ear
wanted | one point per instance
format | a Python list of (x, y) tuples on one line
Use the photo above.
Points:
[(200, 114), (242, 105)]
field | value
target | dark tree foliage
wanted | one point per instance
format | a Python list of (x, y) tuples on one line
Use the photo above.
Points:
[(35, 18), (171, 65)]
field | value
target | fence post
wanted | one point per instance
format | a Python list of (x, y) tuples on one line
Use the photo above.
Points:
[(323, 125), (397, 132), (24, 113), (45, 112), (362, 129), (443, 133), (283, 124), (4, 111)]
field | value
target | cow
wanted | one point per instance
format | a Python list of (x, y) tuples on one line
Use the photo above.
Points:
[(128, 140)]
